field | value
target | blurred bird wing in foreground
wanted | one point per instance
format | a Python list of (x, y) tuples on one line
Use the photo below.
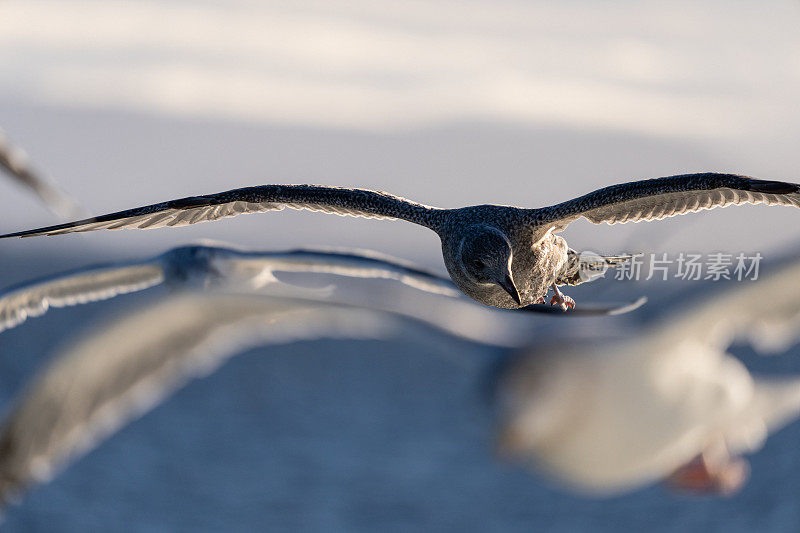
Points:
[(765, 313), (35, 298), (199, 266), (105, 380), (256, 267)]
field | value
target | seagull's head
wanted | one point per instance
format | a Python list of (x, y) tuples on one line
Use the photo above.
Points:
[(485, 255)]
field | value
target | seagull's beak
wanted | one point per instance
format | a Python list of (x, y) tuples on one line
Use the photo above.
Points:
[(508, 285)]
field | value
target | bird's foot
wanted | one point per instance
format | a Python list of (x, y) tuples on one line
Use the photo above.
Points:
[(541, 300), (701, 476), (560, 299)]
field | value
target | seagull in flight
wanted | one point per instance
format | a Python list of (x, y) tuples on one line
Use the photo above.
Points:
[(603, 416), (501, 256)]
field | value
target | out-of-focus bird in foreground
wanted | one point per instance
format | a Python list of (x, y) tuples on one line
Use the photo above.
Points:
[(602, 416), (17, 166), (669, 401), (498, 255)]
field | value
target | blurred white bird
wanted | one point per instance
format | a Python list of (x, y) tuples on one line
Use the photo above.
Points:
[(15, 162), (603, 416)]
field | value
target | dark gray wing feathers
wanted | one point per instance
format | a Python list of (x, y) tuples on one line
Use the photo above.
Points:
[(195, 209), (659, 198)]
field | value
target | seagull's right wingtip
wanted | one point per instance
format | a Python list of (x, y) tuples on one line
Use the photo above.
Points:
[(38, 232), (20, 234)]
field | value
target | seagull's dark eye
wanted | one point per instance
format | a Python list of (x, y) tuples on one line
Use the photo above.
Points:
[(477, 263)]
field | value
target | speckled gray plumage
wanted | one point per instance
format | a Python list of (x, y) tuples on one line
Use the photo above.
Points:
[(535, 265), (261, 198), (540, 258)]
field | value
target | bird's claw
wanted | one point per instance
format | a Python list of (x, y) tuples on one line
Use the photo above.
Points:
[(561, 300)]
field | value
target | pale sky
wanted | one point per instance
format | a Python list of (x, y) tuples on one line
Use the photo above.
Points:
[(708, 69), (445, 102)]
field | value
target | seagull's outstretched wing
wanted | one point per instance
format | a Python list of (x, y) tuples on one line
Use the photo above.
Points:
[(91, 284), (105, 380), (15, 162), (194, 209), (665, 197)]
